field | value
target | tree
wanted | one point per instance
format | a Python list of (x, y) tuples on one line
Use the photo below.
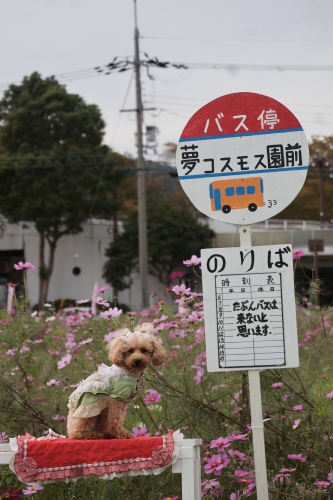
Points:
[(54, 171), (173, 235), (306, 205)]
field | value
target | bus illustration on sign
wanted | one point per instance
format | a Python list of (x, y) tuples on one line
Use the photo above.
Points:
[(233, 194)]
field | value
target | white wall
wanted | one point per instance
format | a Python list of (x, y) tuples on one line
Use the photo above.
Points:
[(85, 250)]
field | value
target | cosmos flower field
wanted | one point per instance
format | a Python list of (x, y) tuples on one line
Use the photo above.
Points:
[(45, 355)]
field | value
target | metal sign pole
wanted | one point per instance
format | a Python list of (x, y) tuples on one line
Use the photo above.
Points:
[(256, 407)]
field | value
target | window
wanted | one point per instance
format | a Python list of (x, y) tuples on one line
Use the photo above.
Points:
[(250, 190), (229, 191), (240, 190)]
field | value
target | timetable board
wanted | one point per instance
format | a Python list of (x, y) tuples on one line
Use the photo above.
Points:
[(250, 320)]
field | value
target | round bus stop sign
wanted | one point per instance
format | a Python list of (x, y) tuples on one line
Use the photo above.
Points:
[(242, 158)]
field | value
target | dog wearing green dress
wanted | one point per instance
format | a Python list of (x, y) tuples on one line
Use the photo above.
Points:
[(98, 406)]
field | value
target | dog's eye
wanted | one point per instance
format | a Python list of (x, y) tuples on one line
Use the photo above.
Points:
[(144, 351), (131, 350)]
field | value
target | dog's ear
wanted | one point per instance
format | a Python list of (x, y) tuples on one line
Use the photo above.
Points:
[(159, 354), (116, 350)]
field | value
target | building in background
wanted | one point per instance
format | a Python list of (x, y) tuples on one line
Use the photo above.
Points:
[(79, 258)]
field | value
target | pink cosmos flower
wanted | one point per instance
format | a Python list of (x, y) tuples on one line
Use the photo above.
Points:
[(296, 423), (3, 437), (152, 397), (237, 410), (59, 418), (21, 266), (241, 473), (142, 432), (100, 301), (282, 478), (237, 437), (208, 484), (220, 443), (199, 375), (277, 384), (53, 382), (298, 408), (299, 457), (176, 274), (181, 290), (237, 454), (298, 254), (245, 480), (109, 336), (31, 490), (10, 494), (330, 477), (83, 301), (330, 395), (216, 463), (111, 313), (194, 261), (87, 341), (236, 496), (65, 360), (102, 289), (322, 484), (11, 352), (159, 320)]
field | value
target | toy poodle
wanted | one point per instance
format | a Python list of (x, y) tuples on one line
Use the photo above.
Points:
[(98, 405)]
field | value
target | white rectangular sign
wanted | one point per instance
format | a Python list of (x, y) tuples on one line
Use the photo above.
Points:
[(250, 316)]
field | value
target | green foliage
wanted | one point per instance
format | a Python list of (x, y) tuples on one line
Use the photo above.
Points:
[(54, 171), (40, 115), (306, 204), (171, 231)]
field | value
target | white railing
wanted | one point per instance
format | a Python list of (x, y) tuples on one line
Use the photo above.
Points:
[(292, 225)]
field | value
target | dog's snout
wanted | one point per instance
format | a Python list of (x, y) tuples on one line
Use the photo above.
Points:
[(137, 362)]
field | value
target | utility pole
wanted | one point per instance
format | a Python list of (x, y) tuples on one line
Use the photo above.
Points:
[(320, 164), (142, 216)]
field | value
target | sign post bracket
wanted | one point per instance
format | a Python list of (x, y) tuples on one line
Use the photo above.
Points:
[(256, 407)]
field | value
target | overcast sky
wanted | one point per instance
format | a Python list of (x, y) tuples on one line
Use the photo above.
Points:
[(60, 36)]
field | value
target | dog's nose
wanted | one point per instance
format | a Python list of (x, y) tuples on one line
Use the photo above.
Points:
[(137, 362)]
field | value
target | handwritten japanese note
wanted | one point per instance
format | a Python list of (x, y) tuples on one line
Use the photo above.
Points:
[(249, 320)]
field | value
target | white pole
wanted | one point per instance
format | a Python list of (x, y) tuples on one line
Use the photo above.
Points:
[(256, 408)]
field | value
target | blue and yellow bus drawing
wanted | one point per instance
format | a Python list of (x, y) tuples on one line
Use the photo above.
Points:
[(233, 194)]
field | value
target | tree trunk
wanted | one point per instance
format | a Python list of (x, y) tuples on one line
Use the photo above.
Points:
[(45, 272)]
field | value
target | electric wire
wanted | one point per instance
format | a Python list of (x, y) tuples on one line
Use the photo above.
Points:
[(122, 107), (125, 65)]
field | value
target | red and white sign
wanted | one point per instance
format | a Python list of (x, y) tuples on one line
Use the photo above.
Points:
[(242, 158)]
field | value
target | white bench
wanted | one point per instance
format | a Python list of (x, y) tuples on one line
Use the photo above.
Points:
[(188, 465)]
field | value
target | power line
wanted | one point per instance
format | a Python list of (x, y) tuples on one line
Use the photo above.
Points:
[(127, 64), (240, 39)]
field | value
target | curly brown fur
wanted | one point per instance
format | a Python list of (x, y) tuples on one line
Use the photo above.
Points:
[(133, 354)]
